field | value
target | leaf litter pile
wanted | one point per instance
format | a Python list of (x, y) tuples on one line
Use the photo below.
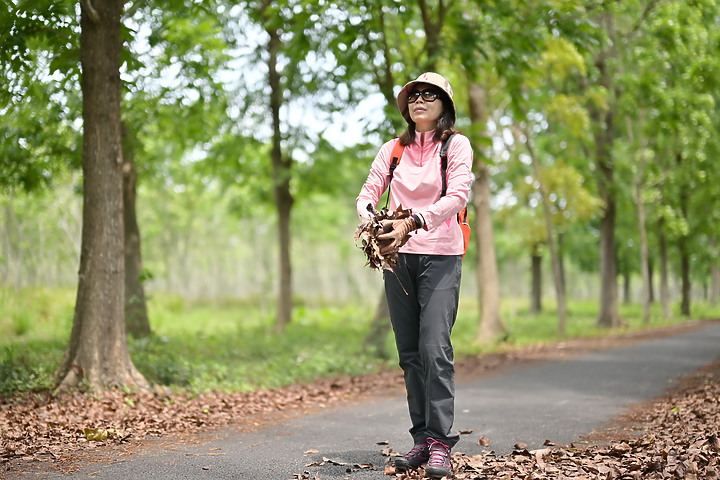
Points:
[(675, 437), (56, 430)]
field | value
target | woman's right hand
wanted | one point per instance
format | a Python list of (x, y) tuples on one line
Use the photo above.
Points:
[(397, 233)]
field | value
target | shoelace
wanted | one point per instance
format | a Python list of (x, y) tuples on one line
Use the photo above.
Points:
[(416, 450), (439, 453)]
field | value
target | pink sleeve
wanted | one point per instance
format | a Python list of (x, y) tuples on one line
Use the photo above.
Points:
[(377, 180)]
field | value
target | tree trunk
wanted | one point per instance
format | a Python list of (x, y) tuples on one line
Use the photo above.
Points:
[(604, 137), (644, 251), (136, 316), (536, 282), (608, 316), (651, 276), (281, 181), (380, 324), (714, 275), (379, 328), (491, 325), (627, 285), (432, 24), (664, 281), (684, 250), (561, 259), (684, 276), (97, 354), (9, 242), (552, 246)]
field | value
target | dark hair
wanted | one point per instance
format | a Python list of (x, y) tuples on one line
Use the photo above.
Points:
[(445, 124)]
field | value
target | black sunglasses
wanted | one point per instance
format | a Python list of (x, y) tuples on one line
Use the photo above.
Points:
[(427, 95)]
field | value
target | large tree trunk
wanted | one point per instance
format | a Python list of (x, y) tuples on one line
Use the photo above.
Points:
[(491, 325), (604, 136), (385, 80), (136, 316), (98, 354), (281, 181), (536, 280)]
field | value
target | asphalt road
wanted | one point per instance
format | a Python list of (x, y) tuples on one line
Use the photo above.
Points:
[(557, 400)]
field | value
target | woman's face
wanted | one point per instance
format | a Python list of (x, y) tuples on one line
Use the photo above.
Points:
[(424, 110)]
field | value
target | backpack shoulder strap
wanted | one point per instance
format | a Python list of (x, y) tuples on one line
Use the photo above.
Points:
[(395, 157), (444, 163)]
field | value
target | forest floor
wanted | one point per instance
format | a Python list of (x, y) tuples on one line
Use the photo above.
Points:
[(675, 436)]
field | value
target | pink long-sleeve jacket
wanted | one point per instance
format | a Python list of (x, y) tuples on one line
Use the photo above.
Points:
[(417, 184)]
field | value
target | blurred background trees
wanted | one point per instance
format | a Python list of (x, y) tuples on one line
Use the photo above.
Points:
[(248, 128)]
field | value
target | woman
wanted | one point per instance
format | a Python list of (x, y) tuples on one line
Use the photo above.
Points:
[(423, 290)]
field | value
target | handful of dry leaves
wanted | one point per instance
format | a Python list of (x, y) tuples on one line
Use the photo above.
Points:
[(369, 230)]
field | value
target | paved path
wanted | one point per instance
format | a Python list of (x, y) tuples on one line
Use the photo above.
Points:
[(558, 400)]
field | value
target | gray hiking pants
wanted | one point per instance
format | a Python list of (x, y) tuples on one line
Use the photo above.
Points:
[(422, 294)]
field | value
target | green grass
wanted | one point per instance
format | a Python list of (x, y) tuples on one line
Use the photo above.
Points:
[(231, 346)]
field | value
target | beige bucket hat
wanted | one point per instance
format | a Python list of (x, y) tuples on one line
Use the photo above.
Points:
[(430, 78)]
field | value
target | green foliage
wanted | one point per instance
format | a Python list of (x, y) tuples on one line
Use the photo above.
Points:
[(34, 327), (38, 87), (29, 366), (35, 34), (229, 346), (239, 353), (38, 313)]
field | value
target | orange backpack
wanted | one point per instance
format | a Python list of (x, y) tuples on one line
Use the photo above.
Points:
[(462, 216)]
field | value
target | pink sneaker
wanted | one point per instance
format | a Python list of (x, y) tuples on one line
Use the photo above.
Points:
[(438, 465)]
